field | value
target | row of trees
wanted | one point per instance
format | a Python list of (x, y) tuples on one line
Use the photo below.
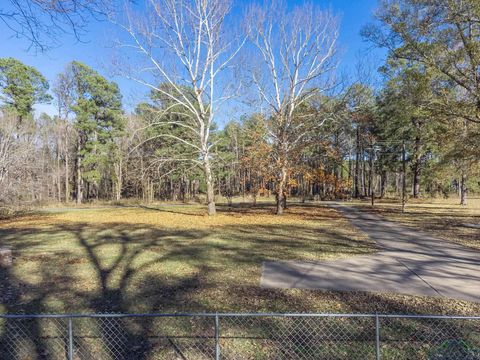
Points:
[(49, 153), (303, 136)]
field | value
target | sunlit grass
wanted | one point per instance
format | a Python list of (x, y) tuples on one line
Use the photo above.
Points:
[(139, 257), (444, 218), (174, 258)]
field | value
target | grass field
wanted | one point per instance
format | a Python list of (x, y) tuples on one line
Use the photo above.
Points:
[(444, 218), (174, 258)]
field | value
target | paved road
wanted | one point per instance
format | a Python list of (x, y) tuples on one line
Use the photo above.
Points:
[(409, 262)]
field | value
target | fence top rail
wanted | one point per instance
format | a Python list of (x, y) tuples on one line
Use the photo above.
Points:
[(158, 315)]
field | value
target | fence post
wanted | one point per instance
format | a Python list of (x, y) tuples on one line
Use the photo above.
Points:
[(70, 339), (377, 337), (217, 336)]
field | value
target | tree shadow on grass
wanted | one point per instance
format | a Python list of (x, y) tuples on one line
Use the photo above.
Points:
[(118, 268), (112, 258)]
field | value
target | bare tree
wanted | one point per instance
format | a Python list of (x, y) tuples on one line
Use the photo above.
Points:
[(297, 51), (64, 98), (187, 50), (42, 21), (7, 148), (17, 158)]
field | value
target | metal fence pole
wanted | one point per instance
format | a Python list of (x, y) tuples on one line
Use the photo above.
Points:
[(70, 339), (438, 337), (377, 337), (217, 335)]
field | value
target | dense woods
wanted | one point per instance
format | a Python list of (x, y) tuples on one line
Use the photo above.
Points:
[(305, 134)]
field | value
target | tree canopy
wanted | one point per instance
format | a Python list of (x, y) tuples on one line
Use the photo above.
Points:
[(22, 86)]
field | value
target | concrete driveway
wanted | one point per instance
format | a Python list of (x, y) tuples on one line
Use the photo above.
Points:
[(409, 262)]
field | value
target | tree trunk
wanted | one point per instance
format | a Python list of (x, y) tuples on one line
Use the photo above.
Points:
[(364, 175), (210, 189), (59, 173), (463, 180), (383, 184), (463, 189), (255, 185), (357, 167), (404, 178), (371, 183), (417, 169), (349, 175), (303, 189), (281, 199), (151, 192), (398, 186), (370, 174), (416, 181), (79, 180), (67, 187), (118, 182)]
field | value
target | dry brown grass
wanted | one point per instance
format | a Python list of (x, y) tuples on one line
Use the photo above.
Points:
[(175, 259), (178, 216), (443, 218)]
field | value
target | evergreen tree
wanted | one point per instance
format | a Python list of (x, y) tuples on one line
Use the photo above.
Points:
[(21, 86), (442, 36), (407, 117), (96, 103)]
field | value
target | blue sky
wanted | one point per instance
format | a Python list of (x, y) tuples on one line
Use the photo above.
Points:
[(95, 48)]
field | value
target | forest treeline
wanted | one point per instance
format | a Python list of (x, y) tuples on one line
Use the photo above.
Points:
[(308, 136)]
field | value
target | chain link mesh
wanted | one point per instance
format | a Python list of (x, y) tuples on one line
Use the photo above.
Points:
[(430, 338), (295, 337), (27, 338), (238, 336)]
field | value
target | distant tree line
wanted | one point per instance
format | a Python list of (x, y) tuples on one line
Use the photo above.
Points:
[(416, 135)]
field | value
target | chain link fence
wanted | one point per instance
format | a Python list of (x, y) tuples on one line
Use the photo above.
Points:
[(239, 336)]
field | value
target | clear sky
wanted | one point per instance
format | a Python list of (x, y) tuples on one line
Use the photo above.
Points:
[(95, 48)]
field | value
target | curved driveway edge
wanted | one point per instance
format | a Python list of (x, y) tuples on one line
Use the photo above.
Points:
[(409, 262)]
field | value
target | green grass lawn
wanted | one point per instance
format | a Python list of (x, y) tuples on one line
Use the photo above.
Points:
[(174, 258)]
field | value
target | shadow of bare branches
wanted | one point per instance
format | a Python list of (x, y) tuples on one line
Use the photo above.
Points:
[(125, 268)]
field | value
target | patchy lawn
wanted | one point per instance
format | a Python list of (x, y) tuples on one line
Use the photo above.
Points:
[(176, 259), (443, 218)]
